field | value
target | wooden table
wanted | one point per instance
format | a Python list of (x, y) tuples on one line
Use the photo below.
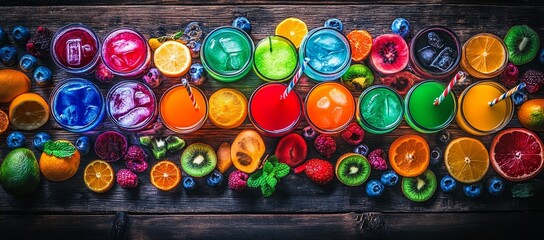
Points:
[(298, 208)]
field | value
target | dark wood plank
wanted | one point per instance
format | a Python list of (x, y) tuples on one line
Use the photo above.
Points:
[(373, 225), (294, 193)]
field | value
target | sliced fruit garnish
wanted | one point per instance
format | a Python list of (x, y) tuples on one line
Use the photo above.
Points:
[(99, 176), (420, 188), (352, 169), (485, 53), (517, 154), (165, 175), (228, 108), (28, 111), (293, 29), (409, 155), (292, 149), (247, 150), (172, 58), (466, 159), (360, 42), (389, 54), (4, 122)]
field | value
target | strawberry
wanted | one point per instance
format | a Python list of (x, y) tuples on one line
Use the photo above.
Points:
[(317, 170)]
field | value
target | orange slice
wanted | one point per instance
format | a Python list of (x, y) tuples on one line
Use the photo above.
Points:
[(228, 108), (4, 122), (28, 111), (485, 53), (466, 159), (172, 58), (409, 155), (99, 176), (361, 43), (165, 175), (293, 29)]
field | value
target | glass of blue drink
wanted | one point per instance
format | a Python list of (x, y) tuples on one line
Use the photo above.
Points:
[(329, 53), (77, 105)]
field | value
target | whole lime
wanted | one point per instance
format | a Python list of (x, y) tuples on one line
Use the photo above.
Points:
[(19, 172), (531, 114)]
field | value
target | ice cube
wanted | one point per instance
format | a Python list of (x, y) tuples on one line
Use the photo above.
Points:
[(141, 98), (87, 50), (338, 97), (230, 46), (323, 103), (315, 63), (123, 46), (234, 61), (117, 61), (91, 113), (329, 42), (69, 115), (445, 59), (333, 61), (90, 96), (435, 40), (336, 114), (218, 55), (122, 101), (73, 51), (426, 55), (134, 117)]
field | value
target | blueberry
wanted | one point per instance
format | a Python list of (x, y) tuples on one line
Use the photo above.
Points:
[(541, 57), (361, 149), (195, 47), (197, 74), (43, 76), (495, 186), (334, 23), (9, 55), (374, 188), (401, 27), (3, 37), (189, 183), (243, 23), (28, 63), (436, 156), (20, 34), (309, 133), (473, 190), (448, 184), (39, 140), (15, 139), (214, 179), (443, 137), (520, 97), (83, 145), (153, 78), (389, 178)]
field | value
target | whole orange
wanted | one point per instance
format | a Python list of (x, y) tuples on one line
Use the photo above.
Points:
[(12, 84), (531, 114), (59, 169)]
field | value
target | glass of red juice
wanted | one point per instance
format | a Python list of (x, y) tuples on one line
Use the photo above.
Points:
[(272, 115), (125, 52), (75, 49)]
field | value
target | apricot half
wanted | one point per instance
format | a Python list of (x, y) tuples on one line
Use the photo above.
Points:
[(247, 150)]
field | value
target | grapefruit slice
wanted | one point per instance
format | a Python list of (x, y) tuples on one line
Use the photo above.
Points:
[(517, 154)]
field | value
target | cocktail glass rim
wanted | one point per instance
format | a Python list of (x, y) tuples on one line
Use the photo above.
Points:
[(136, 69), (328, 131), (265, 78), (142, 124), (83, 69), (189, 129), (360, 115)]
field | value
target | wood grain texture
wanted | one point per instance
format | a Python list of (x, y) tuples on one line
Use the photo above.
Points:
[(295, 193)]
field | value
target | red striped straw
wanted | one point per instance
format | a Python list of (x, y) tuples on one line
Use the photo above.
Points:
[(507, 94), (295, 79), (459, 76), (190, 92)]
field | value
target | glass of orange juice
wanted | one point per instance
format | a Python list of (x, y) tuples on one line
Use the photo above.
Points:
[(177, 111), (329, 107), (484, 56), (475, 116)]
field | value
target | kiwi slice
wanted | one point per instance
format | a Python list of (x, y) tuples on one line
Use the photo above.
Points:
[(358, 77), (522, 43), (420, 188), (198, 159), (352, 169)]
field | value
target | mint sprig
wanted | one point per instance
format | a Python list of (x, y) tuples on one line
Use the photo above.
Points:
[(268, 177), (60, 149)]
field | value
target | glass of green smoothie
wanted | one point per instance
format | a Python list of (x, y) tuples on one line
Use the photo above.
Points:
[(275, 59)]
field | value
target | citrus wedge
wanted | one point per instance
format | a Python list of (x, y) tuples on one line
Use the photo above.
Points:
[(466, 160), (409, 155), (485, 53), (228, 108), (293, 29), (28, 111), (172, 58), (99, 176), (165, 175), (4, 122), (360, 42)]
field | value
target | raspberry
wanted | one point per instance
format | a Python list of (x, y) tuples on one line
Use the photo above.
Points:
[(534, 80), (354, 134), (238, 180), (40, 44), (376, 159), (317, 170), (135, 159), (127, 179), (103, 74), (509, 77), (325, 145)]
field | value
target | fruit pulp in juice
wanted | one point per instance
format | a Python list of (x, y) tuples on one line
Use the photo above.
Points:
[(420, 112), (271, 114), (475, 116), (275, 59), (132, 105), (177, 111), (125, 52), (329, 53), (75, 47), (380, 109), (330, 107)]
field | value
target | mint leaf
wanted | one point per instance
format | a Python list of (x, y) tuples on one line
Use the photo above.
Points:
[(273, 159), (267, 190), (268, 167), (271, 181), (282, 170), (254, 180), (60, 149)]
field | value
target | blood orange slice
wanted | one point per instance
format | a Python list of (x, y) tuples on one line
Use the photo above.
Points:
[(517, 154)]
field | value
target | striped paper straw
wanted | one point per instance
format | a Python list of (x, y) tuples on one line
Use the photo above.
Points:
[(507, 94), (295, 79), (189, 92), (460, 76)]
